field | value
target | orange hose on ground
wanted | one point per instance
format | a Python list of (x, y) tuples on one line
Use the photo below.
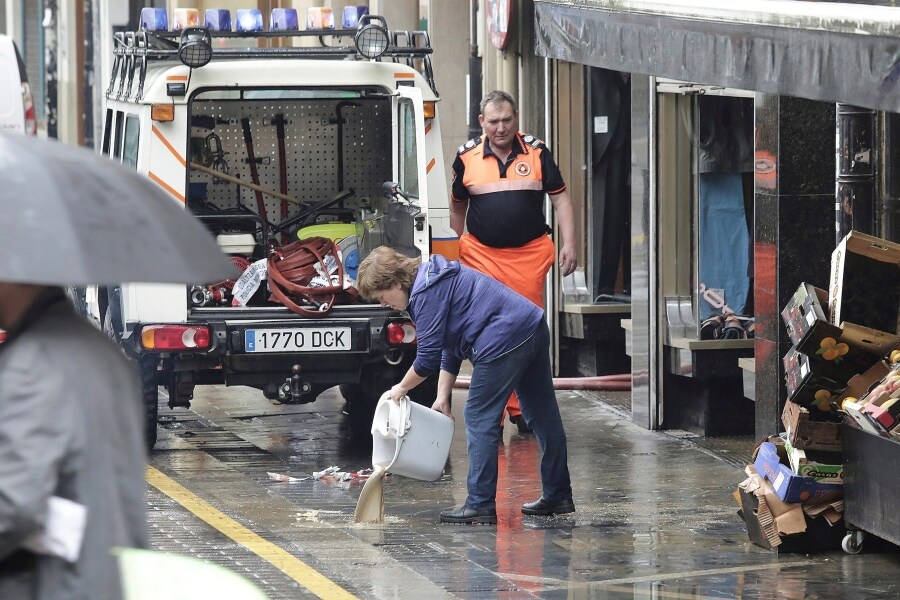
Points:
[(601, 383)]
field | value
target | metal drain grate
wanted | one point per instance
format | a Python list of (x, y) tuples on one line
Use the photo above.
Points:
[(187, 424)]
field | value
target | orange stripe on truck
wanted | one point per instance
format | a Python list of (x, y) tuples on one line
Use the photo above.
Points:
[(177, 78), (430, 166), (404, 75), (448, 248), (168, 145), (166, 186)]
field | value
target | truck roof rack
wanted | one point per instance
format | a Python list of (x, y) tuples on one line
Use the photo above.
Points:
[(134, 50)]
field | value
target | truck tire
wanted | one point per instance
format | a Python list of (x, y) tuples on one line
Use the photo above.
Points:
[(150, 397), (149, 389)]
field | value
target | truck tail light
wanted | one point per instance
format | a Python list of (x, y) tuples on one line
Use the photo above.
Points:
[(175, 337), (401, 333)]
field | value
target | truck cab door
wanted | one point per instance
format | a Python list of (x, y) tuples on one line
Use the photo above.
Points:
[(410, 171)]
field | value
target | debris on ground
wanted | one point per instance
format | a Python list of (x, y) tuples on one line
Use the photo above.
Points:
[(285, 478), (335, 475)]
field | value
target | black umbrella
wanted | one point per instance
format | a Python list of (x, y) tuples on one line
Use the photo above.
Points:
[(71, 217)]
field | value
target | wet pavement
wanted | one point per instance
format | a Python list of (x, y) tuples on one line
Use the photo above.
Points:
[(655, 514)]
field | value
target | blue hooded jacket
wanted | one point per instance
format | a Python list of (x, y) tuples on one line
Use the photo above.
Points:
[(461, 313)]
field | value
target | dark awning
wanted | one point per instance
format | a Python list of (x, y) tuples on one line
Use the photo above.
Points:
[(823, 51)]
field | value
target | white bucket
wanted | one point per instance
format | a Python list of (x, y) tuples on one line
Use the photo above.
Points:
[(410, 439)]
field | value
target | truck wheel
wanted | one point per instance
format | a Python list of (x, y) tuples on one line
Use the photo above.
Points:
[(150, 397), (108, 328)]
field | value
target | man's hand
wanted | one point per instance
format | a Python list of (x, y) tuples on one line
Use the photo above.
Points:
[(567, 259), (565, 217), (442, 406)]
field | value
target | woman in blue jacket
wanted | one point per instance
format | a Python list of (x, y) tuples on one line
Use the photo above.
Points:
[(462, 314)]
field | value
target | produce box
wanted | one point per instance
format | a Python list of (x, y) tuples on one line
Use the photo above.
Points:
[(811, 429), (811, 332), (811, 381), (882, 402), (859, 385), (865, 283), (825, 467)]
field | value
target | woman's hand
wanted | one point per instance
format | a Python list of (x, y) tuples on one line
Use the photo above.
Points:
[(397, 392), (442, 406)]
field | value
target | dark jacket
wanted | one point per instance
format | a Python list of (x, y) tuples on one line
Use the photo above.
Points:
[(461, 313)]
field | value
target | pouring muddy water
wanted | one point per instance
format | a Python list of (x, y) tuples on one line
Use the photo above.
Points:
[(408, 439)]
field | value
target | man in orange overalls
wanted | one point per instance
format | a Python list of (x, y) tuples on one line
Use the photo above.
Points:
[(499, 182)]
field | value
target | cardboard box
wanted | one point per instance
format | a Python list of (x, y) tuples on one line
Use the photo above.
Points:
[(824, 467), (811, 429), (864, 420), (805, 376), (788, 485), (865, 283), (782, 527), (882, 401), (808, 326), (859, 385)]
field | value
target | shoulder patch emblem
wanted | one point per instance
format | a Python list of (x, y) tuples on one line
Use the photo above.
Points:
[(468, 145), (532, 141), (523, 169)]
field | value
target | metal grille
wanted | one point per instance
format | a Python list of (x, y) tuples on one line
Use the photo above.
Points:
[(313, 150)]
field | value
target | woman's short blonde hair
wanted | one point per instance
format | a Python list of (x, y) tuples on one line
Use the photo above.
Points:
[(384, 267)]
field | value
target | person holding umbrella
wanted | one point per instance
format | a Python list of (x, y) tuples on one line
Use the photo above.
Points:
[(461, 313), (72, 449)]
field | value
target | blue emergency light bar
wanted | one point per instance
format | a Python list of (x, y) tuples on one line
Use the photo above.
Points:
[(249, 20)]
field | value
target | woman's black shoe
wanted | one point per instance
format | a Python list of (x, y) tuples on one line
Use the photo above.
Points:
[(469, 516), (545, 507)]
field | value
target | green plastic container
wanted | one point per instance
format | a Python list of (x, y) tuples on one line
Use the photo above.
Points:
[(332, 231)]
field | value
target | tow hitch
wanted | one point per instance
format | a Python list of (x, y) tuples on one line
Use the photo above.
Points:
[(294, 390)]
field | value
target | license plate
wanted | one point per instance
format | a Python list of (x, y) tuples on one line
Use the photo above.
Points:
[(328, 339)]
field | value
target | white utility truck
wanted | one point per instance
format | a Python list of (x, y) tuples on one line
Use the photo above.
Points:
[(270, 137)]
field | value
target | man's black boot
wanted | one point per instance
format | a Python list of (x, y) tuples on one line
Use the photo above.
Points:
[(546, 507), (469, 516)]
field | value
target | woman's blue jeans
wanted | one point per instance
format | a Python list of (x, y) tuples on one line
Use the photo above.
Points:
[(527, 371)]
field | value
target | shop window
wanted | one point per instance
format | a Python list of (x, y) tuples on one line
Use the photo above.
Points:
[(609, 164), (705, 192), (891, 196), (724, 205)]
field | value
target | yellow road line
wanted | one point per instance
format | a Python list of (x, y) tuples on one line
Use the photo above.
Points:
[(292, 566)]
